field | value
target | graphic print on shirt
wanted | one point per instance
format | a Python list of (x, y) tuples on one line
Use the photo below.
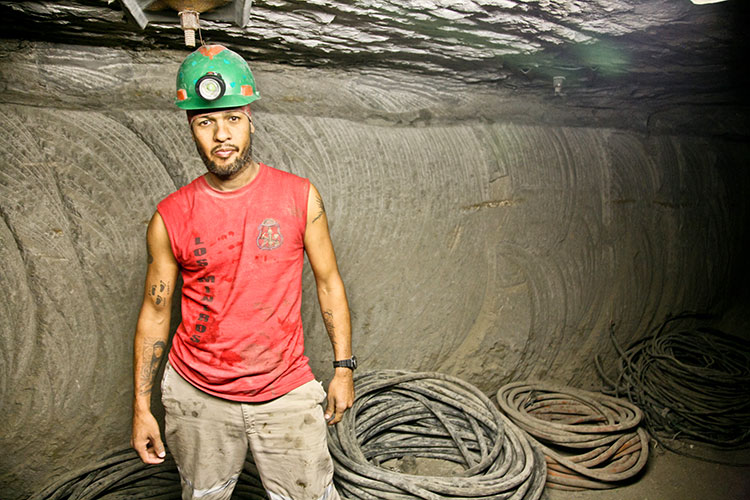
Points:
[(204, 317), (269, 235)]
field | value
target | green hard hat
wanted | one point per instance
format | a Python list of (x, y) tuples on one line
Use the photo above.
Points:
[(214, 77)]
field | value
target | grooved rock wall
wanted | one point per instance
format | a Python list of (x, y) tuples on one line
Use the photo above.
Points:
[(491, 250)]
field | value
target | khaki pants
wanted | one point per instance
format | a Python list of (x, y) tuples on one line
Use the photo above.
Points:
[(209, 437)]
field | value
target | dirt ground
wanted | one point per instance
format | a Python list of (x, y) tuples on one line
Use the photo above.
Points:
[(669, 476)]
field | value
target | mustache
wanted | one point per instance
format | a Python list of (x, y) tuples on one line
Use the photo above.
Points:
[(224, 146)]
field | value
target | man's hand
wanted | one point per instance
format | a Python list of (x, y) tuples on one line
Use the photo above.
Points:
[(340, 395), (146, 439)]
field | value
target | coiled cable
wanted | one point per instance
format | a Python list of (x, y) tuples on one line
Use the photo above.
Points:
[(122, 476), (431, 415), (590, 440), (693, 385)]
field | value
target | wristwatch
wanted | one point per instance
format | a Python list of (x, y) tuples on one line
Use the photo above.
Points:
[(346, 363)]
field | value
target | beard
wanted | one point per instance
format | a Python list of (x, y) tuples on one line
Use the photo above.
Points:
[(225, 172)]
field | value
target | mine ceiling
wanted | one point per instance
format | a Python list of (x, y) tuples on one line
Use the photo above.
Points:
[(660, 51)]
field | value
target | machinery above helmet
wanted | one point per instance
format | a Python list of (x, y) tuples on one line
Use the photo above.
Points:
[(214, 77)]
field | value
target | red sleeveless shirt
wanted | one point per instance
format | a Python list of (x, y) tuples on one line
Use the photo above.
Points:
[(241, 255)]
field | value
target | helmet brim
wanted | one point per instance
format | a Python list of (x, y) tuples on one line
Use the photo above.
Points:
[(227, 101)]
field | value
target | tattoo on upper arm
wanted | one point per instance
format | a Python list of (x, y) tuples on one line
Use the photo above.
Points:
[(150, 257), (162, 288), (152, 356), (321, 207)]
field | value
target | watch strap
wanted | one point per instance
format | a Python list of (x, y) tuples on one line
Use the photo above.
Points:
[(346, 363)]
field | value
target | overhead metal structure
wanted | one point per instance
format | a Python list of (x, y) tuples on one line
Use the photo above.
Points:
[(144, 12)]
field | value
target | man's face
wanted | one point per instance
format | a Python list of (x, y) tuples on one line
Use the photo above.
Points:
[(224, 141)]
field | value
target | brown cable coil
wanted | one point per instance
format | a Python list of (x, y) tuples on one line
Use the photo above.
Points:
[(590, 440)]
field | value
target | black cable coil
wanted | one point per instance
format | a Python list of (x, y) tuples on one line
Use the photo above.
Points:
[(122, 476), (591, 441), (693, 385), (431, 415)]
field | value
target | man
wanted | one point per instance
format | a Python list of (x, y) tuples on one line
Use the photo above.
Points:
[(236, 374)]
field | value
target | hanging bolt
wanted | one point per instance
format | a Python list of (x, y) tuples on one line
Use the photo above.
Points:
[(557, 83), (189, 22)]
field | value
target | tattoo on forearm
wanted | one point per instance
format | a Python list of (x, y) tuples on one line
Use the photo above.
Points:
[(322, 208), (328, 320), (152, 356)]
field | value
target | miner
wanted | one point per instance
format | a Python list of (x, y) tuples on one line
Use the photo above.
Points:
[(236, 375)]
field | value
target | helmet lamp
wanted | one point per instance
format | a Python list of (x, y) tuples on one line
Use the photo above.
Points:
[(210, 86)]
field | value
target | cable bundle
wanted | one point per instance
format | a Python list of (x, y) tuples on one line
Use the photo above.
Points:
[(431, 415), (591, 441), (692, 384), (122, 476)]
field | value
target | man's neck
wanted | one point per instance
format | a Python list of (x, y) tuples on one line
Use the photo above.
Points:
[(238, 180)]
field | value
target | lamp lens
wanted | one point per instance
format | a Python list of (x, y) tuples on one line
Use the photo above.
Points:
[(210, 87)]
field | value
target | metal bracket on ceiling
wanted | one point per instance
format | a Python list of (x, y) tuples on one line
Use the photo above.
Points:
[(144, 12), (557, 84)]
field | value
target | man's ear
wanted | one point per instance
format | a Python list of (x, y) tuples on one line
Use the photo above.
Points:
[(252, 126)]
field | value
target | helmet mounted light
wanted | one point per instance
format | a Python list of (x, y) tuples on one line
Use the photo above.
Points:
[(210, 86)]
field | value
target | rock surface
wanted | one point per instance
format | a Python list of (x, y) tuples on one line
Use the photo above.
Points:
[(613, 54)]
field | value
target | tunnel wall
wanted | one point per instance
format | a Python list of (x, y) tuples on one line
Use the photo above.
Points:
[(488, 249)]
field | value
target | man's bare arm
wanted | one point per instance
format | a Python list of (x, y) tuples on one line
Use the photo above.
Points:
[(334, 306), (151, 336)]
